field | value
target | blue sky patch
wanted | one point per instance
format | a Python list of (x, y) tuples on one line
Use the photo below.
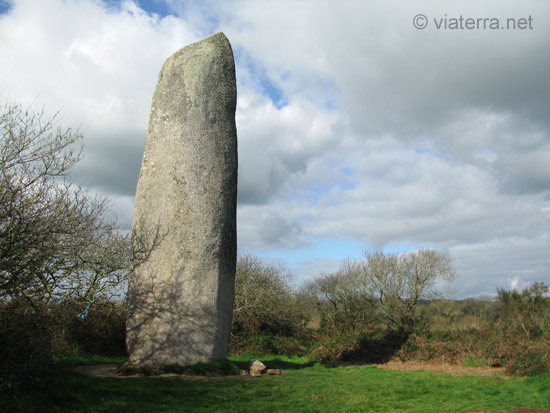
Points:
[(274, 93), (347, 171), (315, 193), (262, 82), (318, 248), (5, 6), (155, 6), (332, 249)]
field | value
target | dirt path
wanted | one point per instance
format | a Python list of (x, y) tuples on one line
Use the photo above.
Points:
[(110, 370), (455, 370), (99, 370)]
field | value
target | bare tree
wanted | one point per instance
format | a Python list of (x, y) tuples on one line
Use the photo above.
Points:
[(399, 281), (381, 286), (54, 241), (343, 302), (264, 298)]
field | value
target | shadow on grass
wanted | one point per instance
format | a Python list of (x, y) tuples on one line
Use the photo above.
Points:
[(274, 363), (65, 390), (69, 391), (214, 368), (228, 367)]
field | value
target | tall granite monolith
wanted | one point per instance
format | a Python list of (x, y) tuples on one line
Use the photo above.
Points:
[(181, 290)]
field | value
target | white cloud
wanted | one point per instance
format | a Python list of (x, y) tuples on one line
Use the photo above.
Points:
[(513, 262), (276, 145), (353, 125), (98, 66)]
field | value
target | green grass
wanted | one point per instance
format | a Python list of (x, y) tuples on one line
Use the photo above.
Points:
[(216, 368), (85, 359), (473, 361), (303, 387)]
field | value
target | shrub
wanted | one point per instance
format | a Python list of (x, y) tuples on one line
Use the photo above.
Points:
[(528, 311), (376, 347), (25, 345), (102, 332), (369, 346), (269, 317), (265, 300), (452, 346), (331, 348), (530, 362), (265, 343), (31, 333)]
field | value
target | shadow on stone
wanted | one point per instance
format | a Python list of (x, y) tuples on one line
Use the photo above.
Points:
[(181, 290), (156, 309)]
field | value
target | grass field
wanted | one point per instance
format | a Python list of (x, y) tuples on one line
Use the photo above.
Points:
[(303, 387)]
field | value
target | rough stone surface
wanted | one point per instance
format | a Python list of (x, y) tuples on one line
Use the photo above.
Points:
[(181, 290), (256, 368)]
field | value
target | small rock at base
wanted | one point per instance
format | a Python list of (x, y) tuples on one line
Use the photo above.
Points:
[(257, 367), (255, 373), (274, 372)]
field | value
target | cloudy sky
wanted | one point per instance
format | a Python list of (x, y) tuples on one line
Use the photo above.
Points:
[(356, 129)]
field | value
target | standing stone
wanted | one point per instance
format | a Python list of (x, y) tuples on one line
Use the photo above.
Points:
[(181, 290)]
